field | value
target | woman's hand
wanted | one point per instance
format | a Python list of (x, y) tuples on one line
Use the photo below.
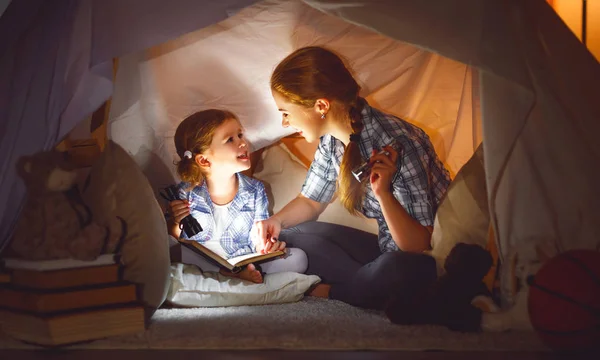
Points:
[(383, 170), (267, 232), (178, 209)]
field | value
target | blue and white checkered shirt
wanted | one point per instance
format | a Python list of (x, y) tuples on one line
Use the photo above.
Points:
[(419, 184), (250, 204)]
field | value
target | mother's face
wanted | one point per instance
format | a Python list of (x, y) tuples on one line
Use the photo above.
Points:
[(307, 121)]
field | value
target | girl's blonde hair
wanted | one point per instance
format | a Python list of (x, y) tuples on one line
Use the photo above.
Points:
[(195, 134), (312, 73)]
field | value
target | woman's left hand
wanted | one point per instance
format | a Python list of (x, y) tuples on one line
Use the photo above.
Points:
[(383, 170)]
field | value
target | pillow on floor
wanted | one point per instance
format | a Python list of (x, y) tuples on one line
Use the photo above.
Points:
[(283, 175), (463, 214), (118, 187), (191, 287)]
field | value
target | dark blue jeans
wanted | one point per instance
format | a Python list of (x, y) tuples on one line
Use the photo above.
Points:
[(351, 262)]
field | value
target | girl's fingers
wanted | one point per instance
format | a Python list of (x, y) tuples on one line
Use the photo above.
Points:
[(181, 213), (268, 246), (263, 233), (259, 232), (179, 206), (282, 245)]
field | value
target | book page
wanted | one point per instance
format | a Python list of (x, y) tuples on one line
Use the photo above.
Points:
[(243, 258), (237, 259), (230, 263)]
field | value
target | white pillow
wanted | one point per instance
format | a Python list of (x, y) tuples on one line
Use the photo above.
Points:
[(191, 287), (283, 175)]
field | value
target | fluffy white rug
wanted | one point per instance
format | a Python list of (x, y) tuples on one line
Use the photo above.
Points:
[(310, 324)]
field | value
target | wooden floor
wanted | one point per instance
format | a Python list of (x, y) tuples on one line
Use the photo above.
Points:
[(276, 354)]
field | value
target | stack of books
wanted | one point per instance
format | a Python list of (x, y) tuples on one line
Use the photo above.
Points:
[(61, 302)]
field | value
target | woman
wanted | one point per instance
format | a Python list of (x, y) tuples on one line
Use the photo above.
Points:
[(318, 96)]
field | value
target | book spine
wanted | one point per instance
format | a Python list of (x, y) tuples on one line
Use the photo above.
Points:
[(37, 302), (74, 327), (59, 279)]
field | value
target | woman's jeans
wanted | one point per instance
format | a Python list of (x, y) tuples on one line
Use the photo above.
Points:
[(351, 262)]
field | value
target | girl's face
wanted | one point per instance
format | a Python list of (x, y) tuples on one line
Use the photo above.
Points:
[(307, 121), (228, 152)]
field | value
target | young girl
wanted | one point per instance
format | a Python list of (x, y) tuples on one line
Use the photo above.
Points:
[(226, 203), (318, 96)]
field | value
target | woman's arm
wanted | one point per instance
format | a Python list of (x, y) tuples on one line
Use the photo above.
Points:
[(317, 192), (407, 232), (299, 210)]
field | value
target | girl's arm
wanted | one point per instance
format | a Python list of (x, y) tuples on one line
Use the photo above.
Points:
[(174, 229), (178, 209)]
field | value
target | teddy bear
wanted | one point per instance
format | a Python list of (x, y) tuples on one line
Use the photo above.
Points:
[(448, 300), (54, 222)]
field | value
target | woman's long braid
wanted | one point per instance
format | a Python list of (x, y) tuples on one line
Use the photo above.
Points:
[(352, 192)]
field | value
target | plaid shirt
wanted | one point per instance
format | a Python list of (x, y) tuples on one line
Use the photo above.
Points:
[(419, 184), (250, 204)]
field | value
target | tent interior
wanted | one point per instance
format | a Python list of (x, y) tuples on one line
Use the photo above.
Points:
[(508, 76)]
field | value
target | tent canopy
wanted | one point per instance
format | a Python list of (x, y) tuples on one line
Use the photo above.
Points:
[(513, 63)]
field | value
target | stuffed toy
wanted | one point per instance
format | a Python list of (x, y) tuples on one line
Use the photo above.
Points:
[(54, 222), (448, 300)]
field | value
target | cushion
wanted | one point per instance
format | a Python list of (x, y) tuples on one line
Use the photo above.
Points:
[(283, 175), (463, 214), (118, 187), (191, 287)]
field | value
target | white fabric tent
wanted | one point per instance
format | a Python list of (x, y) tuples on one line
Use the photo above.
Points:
[(535, 81), (229, 64)]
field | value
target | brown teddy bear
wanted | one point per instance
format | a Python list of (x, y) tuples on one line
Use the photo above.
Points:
[(55, 223)]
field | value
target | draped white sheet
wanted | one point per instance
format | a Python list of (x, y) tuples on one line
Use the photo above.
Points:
[(538, 87), (540, 110), (228, 65)]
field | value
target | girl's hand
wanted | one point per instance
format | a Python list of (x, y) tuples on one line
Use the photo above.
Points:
[(267, 232), (383, 170), (178, 209), (273, 246)]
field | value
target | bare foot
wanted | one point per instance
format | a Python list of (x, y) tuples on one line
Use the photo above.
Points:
[(319, 290), (249, 273)]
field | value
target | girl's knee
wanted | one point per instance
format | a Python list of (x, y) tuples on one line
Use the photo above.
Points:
[(298, 261)]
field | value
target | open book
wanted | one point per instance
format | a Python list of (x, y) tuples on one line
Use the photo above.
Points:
[(234, 264)]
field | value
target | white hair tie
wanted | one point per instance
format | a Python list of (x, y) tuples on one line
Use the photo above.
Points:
[(187, 154)]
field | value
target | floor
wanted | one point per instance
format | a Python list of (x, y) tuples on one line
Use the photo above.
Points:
[(276, 354)]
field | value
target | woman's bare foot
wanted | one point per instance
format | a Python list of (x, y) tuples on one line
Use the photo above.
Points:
[(319, 290), (249, 273)]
